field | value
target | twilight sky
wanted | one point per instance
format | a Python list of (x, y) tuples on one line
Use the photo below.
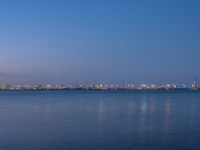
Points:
[(113, 41)]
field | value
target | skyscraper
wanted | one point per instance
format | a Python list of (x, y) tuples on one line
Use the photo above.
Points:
[(195, 84)]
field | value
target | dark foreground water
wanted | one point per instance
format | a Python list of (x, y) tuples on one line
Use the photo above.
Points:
[(99, 120)]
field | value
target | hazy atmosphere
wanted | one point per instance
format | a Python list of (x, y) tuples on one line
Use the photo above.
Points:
[(57, 41)]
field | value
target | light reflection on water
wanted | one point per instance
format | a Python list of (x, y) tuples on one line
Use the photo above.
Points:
[(99, 120)]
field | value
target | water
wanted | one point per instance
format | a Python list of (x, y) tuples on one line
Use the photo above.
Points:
[(99, 120)]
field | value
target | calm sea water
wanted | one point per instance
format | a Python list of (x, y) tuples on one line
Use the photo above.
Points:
[(99, 120)]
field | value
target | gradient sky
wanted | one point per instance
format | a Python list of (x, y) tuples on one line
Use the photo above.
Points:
[(113, 41)]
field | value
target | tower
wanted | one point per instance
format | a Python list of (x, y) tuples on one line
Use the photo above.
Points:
[(195, 84)]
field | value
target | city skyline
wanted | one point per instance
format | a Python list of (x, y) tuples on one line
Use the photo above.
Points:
[(104, 86), (99, 41)]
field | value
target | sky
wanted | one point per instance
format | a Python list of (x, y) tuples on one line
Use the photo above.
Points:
[(99, 41)]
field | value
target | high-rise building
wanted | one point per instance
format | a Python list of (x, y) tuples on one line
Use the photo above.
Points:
[(195, 84)]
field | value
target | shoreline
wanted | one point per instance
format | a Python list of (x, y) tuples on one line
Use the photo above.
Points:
[(99, 90)]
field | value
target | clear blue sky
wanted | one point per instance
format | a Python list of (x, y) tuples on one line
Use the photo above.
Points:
[(114, 41)]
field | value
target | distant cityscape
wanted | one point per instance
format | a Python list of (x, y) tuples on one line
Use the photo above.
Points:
[(129, 86)]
